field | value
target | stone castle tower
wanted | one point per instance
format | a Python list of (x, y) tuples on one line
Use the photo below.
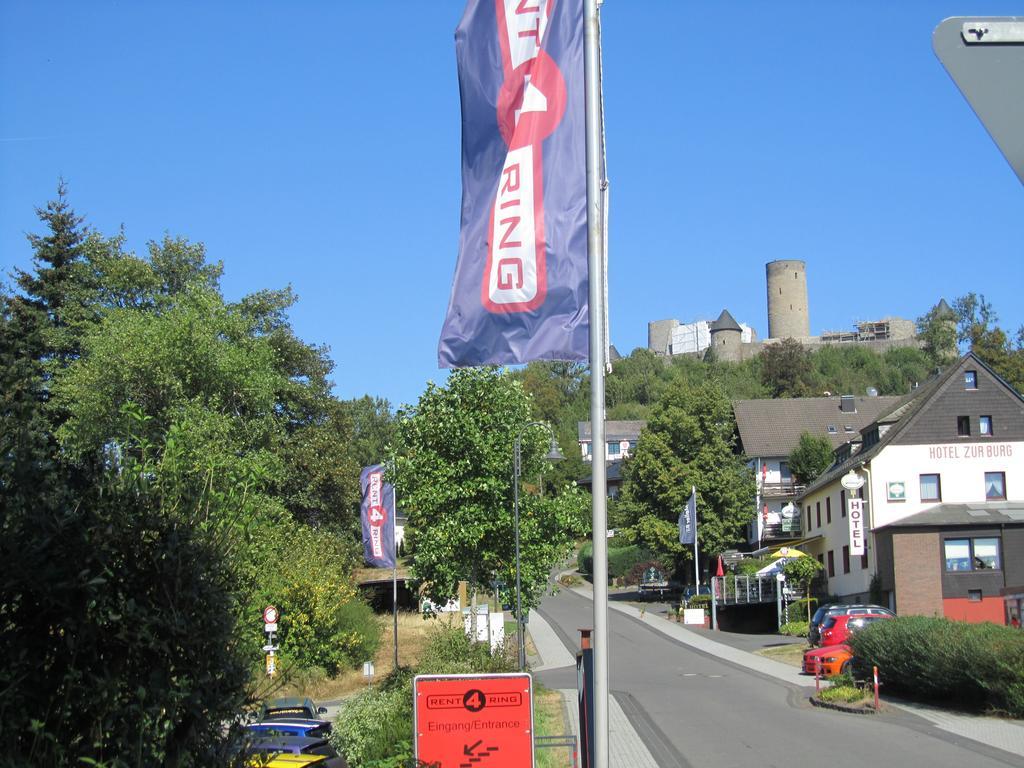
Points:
[(726, 338), (787, 299)]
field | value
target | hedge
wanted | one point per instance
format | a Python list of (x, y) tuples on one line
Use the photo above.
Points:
[(621, 559), (975, 665)]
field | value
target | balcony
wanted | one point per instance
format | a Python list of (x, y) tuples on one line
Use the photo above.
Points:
[(787, 530), (784, 489)]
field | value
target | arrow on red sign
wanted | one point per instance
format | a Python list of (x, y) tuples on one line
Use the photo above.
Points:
[(474, 757)]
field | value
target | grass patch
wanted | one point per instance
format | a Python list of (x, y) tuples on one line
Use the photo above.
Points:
[(788, 654), (549, 720)]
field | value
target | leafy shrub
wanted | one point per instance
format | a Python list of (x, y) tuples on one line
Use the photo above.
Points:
[(376, 724), (750, 566), (323, 623), (799, 610), (843, 689), (978, 665), (449, 652), (585, 558), (794, 628), (374, 729)]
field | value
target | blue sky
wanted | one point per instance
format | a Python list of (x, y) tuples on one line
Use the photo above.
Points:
[(317, 144)]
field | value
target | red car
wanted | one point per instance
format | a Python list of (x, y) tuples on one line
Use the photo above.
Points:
[(831, 659), (837, 629)]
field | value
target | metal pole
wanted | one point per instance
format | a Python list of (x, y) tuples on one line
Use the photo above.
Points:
[(714, 603), (394, 574), (696, 568), (515, 511), (597, 312)]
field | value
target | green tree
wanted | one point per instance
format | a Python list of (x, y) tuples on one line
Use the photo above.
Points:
[(55, 295), (689, 441), (977, 328), (786, 369), (118, 625), (811, 457), (803, 571), (375, 430), (455, 480), (937, 329)]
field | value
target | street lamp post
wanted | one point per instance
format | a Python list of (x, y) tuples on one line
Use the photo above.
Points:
[(554, 454)]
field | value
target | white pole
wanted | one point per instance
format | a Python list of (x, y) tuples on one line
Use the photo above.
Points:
[(394, 571), (696, 569), (595, 261)]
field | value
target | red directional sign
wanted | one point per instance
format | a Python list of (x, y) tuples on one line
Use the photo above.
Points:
[(474, 721)]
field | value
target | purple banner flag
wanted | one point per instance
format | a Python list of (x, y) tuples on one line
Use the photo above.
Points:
[(378, 514), (520, 289)]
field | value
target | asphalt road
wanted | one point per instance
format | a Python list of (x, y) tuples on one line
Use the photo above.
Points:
[(693, 709)]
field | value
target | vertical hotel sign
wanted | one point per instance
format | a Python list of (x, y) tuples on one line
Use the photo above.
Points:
[(378, 518), (520, 288), (855, 507), (853, 482)]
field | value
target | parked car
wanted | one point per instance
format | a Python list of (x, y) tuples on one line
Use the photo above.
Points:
[(289, 708), (837, 629), (276, 749), (837, 609), (292, 727), (831, 659), (287, 760)]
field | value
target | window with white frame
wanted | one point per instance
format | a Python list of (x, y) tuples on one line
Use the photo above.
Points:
[(931, 488)]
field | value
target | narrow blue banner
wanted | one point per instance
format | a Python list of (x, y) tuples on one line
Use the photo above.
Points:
[(688, 520), (521, 283), (378, 514)]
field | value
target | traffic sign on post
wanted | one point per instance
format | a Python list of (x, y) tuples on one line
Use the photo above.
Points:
[(481, 720), (985, 58)]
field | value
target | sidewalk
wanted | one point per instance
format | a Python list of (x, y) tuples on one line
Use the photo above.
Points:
[(625, 747), (999, 733)]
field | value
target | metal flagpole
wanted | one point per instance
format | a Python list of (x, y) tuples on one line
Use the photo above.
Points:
[(696, 569), (394, 571), (595, 263)]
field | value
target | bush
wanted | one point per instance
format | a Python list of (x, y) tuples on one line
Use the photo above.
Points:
[(978, 665), (376, 724), (622, 557), (794, 628), (750, 566), (374, 729), (798, 610)]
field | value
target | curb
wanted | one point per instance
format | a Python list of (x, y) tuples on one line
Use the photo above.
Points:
[(842, 707)]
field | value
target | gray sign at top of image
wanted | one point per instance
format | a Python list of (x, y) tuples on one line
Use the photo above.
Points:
[(985, 58)]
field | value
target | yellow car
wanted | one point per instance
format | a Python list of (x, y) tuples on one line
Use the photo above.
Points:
[(289, 761)]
